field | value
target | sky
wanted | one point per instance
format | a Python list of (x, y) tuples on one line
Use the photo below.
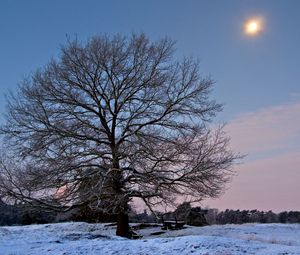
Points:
[(257, 78)]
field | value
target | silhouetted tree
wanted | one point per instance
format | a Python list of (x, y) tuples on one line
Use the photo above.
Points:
[(282, 217), (211, 216), (112, 120), (293, 217)]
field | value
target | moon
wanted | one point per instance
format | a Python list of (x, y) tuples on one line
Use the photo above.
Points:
[(253, 27)]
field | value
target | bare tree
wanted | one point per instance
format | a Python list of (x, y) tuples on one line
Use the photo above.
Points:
[(113, 120)]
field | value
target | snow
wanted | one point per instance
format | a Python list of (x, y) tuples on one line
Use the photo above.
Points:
[(83, 238)]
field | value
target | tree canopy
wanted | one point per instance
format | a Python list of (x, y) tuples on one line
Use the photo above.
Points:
[(111, 120)]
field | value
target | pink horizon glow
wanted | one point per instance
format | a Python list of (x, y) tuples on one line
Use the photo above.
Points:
[(269, 178)]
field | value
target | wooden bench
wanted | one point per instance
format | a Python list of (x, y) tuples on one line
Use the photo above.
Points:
[(172, 225)]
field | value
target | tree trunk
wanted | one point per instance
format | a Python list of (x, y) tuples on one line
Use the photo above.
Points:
[(123, 225), (122, 214)]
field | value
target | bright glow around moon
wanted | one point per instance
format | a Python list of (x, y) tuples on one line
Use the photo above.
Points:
[(253, 26)]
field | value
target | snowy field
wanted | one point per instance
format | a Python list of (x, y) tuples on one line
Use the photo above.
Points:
[(97, 239)]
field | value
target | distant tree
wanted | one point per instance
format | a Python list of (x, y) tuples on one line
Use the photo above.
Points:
[(182, 211), (211, 216), (270, 217), (244, 216), (140, 217), (254, 216), (293, 217), (196, 217), (282, 217), (26, 219), (91, 215), (113, 120), (23, 214), (229, 216), (220, 218)]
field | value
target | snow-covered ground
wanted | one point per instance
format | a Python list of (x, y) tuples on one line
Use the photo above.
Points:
[(97, 239)]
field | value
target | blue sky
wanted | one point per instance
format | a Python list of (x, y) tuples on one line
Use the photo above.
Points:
[(255, 76), (250, 72)]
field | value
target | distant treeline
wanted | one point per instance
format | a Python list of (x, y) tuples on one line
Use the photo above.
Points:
[(251, 216), (214, 216), (22, 214)]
